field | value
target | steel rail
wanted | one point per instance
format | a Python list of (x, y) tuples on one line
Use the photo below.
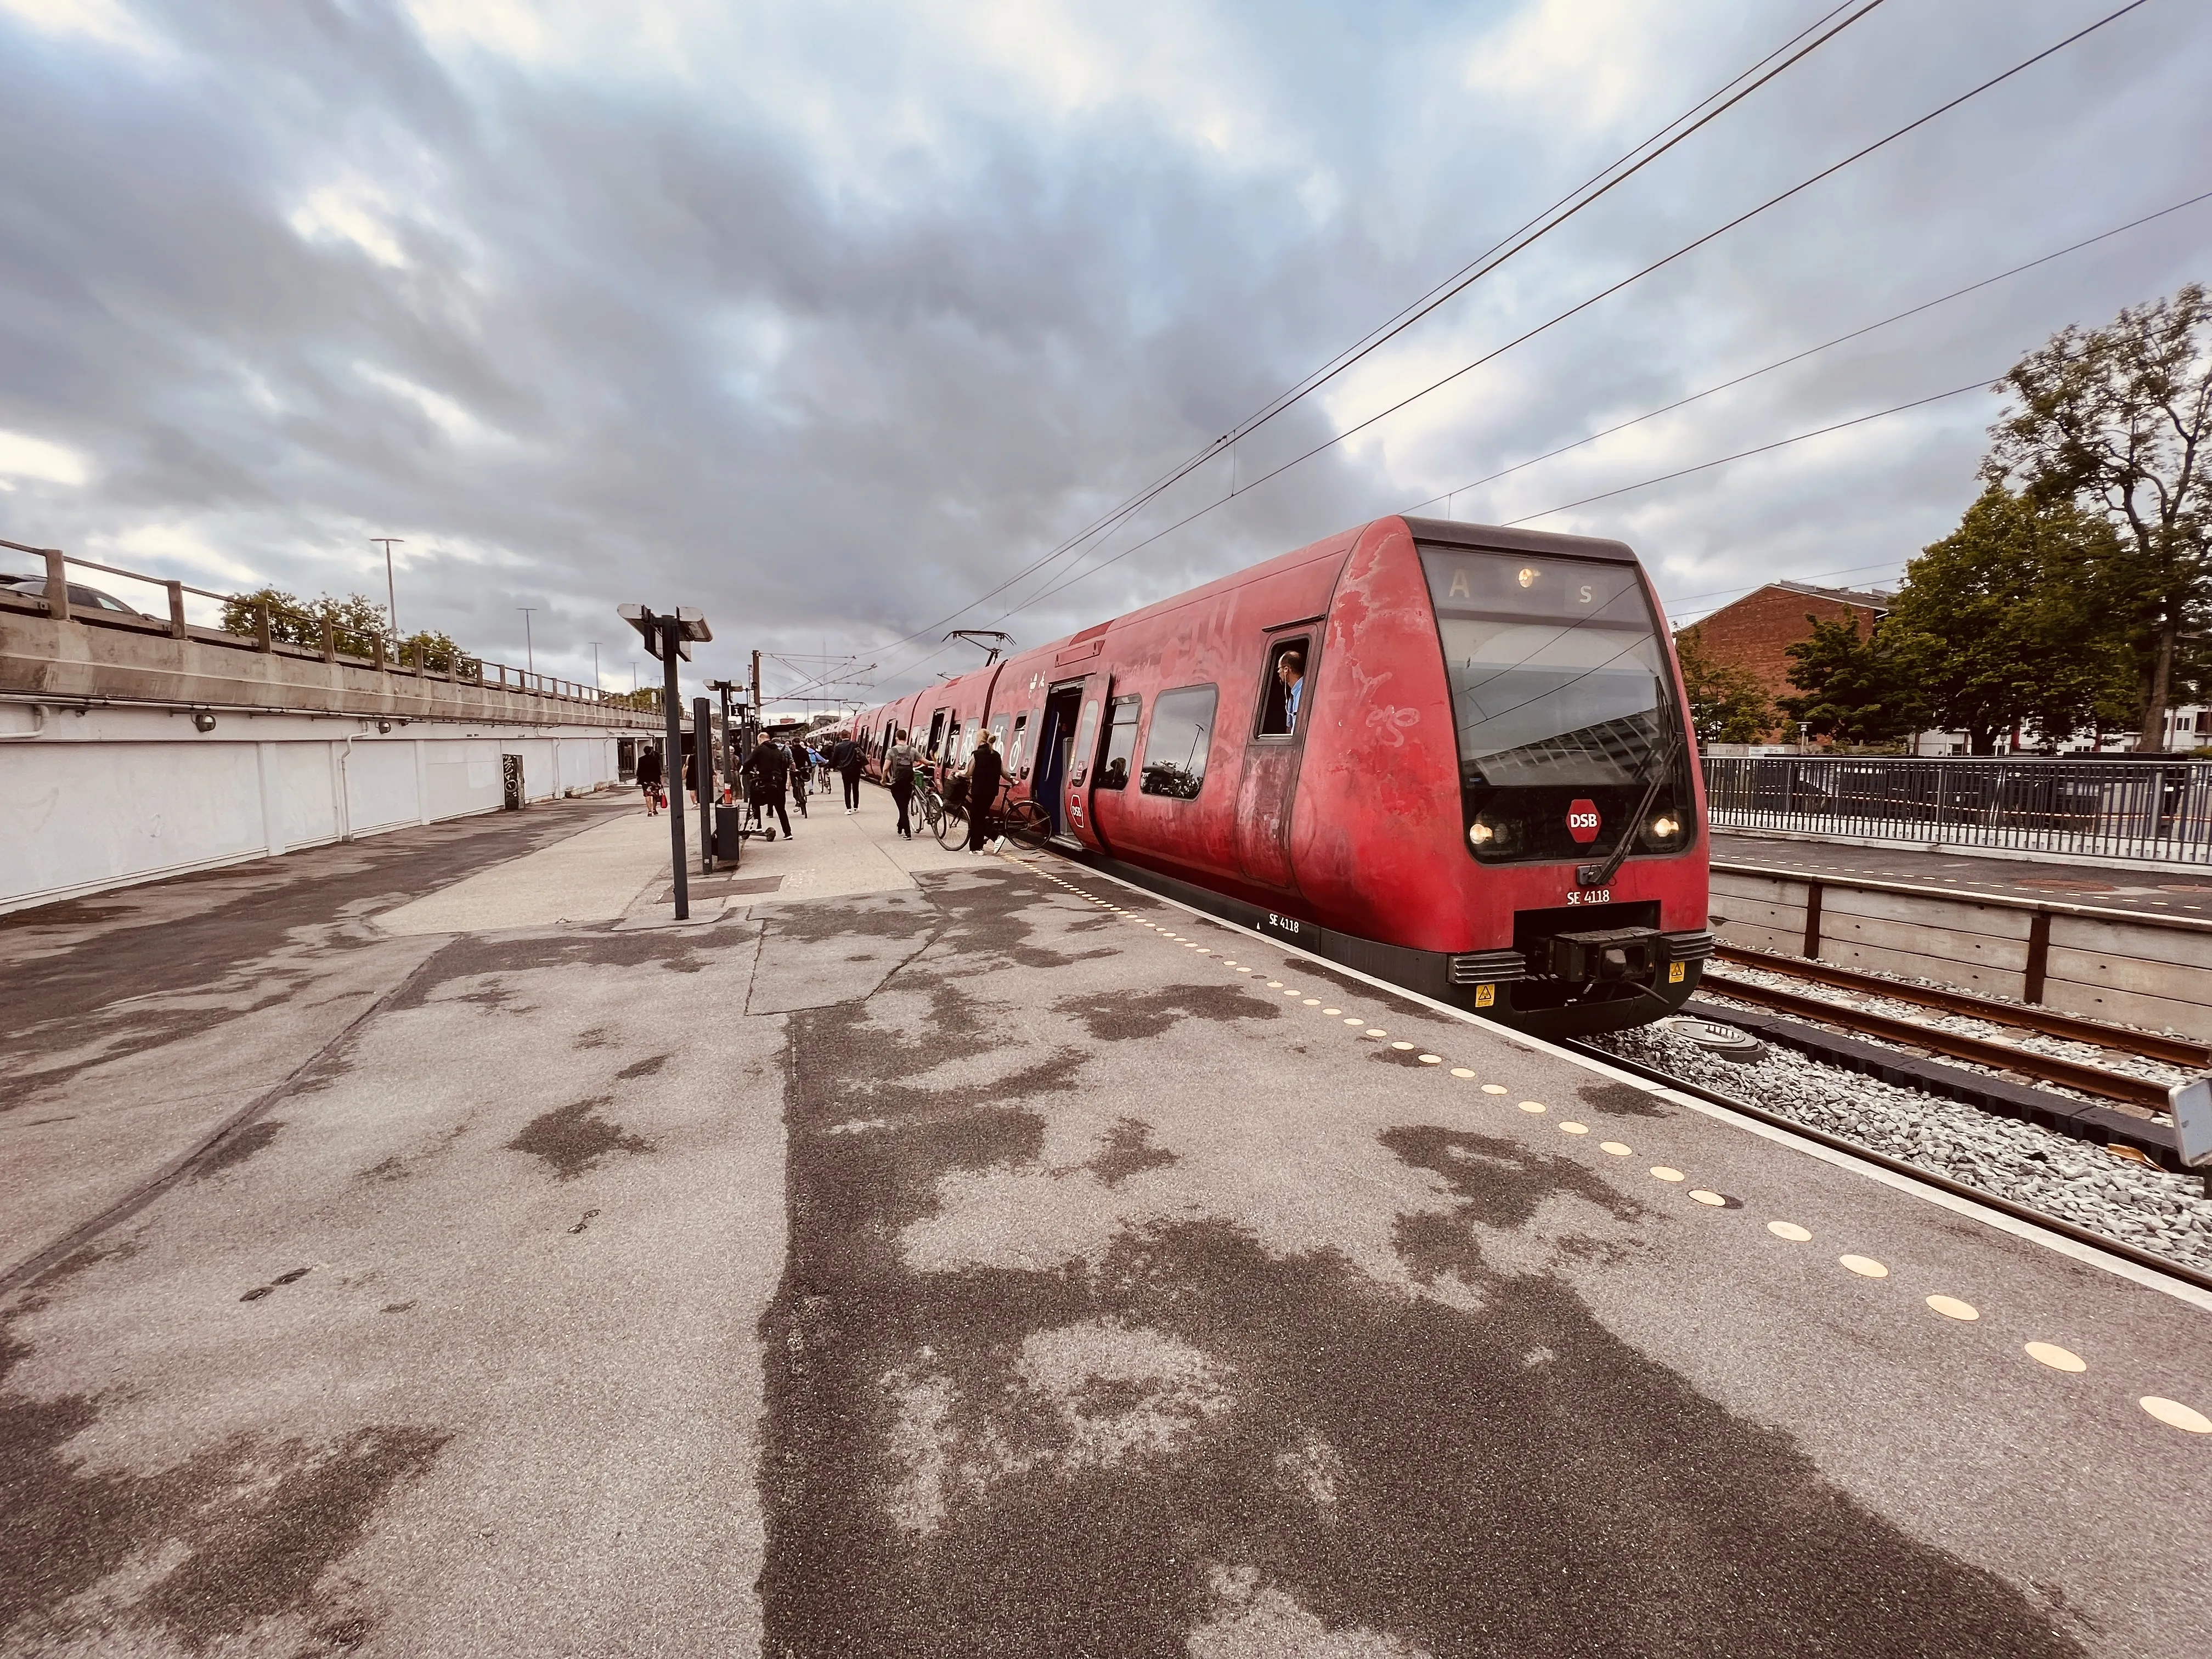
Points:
[(1927, 1177), (1980, 1051), (2173, 1050)]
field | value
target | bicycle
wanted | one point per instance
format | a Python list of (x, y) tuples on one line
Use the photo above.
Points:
[(929, 800), (1026, 823), (950, 821)]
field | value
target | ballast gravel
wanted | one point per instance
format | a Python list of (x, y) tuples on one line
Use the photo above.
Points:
[(2137, 1203)]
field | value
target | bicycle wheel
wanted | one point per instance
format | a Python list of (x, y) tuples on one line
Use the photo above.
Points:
[(952, 825), (933, 812), (1027, 824)]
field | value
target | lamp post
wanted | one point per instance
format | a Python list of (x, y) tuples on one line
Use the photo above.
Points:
[(529, 651), (669, 635), (391, 587)]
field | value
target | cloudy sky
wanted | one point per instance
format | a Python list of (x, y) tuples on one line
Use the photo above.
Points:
[(829, 317)]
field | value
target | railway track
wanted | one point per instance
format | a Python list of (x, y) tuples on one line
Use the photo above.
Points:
[(1999, 1056)]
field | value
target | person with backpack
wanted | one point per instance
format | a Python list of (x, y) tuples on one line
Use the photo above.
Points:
[(900, 764)]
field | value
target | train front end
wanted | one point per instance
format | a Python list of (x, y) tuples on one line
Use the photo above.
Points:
[(1511, 810), (1581, 814)]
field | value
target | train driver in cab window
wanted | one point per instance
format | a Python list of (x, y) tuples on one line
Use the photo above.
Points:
[(1282, 714)]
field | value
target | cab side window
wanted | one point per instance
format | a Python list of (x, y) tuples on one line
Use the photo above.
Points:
[(1121, 743), (1282, 697)]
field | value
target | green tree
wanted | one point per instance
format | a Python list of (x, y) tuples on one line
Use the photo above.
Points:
[(1726, 703), (2011, 620), (2118, 418), (357, 622), (1856, 690)]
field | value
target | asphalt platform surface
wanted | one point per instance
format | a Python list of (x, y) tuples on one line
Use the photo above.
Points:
[(994, 1262), (2162, 892)]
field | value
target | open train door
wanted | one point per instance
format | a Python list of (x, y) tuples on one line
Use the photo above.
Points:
[(1070, 750)]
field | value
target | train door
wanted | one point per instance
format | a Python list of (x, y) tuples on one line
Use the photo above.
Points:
[(1268, 788), (1055, 752)]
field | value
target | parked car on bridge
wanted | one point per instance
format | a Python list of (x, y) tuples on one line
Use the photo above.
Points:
[(81, 598)]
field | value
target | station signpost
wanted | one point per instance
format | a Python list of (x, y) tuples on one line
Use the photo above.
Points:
[(669, 634)]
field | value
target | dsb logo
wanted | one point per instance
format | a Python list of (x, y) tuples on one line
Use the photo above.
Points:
[(1582, 821)]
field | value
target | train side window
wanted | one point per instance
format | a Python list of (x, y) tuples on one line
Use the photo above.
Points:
[(1283, 697), (1175, 746), (936, 732), (1121, 743), (1018, 749)]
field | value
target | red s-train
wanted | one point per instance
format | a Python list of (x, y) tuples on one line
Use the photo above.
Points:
[(1481, 786)]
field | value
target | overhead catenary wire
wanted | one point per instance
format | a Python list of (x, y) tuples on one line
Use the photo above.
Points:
[(1811, 351), (1560, 317), (1699, 115)]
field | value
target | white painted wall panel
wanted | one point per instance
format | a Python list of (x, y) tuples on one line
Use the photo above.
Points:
[(132, 795), (78, 814), (307, 795), (537, 767), (380, 784), (463, 777)]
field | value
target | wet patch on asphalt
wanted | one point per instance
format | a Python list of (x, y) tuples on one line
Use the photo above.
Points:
[(488, 955), (573, 1138), (237, 1541), (1117, 1015), (1621, 1100), (1128, 1150), (1497, 1184), (237, 1146), (1189, 1443)]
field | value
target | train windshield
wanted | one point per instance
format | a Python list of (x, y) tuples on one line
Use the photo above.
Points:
[(1558, 672)]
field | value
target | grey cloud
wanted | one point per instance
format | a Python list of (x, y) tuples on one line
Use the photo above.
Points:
[(710, 364)]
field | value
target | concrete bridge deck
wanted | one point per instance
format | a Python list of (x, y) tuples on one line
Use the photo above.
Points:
[(424, 1246)]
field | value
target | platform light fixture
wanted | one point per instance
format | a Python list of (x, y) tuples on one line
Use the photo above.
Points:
[(202, 720)]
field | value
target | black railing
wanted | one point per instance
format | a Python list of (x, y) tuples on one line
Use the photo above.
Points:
[(2147, 808)]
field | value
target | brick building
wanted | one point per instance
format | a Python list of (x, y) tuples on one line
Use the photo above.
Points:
[(1756, 631)]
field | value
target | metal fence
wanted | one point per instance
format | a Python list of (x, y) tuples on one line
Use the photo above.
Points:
[(2129, 809)]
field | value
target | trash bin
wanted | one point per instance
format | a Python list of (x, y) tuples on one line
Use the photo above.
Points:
[(728, 820)]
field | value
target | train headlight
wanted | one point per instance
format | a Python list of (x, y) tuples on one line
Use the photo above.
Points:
[(1664, 830), (1490, 833)]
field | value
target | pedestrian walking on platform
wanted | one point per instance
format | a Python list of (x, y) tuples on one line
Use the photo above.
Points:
[(648, 780), (845, 756), (767, 772), (900, 764), (985, 772)]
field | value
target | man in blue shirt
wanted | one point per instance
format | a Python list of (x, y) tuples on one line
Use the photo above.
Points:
[(1290, 668)]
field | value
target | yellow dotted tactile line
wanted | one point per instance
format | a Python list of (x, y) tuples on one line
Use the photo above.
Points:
[(2171, 1412)]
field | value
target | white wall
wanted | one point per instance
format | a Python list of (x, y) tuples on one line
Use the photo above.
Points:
[(110, 797)]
